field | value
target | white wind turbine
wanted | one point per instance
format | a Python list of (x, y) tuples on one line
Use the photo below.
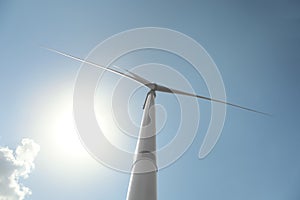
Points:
[(143, 180)]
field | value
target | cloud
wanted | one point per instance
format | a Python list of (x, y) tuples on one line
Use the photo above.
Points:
[(15, 165)]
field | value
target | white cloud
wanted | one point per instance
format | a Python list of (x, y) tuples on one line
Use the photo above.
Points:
[(15, 165)]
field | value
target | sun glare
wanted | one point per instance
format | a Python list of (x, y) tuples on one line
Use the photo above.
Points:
[(57, 130), (66, 138)]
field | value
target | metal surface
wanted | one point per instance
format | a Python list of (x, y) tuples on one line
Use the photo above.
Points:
[(143, 183)]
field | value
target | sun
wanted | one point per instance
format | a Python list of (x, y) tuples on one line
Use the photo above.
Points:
[(65, 137), (56, 130)]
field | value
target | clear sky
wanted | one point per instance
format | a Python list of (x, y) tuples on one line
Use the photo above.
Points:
[(255, 45)]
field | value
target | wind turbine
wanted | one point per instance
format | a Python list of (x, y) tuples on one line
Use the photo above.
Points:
[(143, 179)]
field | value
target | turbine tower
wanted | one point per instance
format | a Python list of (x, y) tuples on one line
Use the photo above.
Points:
[(143, 179)]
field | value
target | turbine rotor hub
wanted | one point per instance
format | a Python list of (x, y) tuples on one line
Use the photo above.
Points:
[(152, 86)]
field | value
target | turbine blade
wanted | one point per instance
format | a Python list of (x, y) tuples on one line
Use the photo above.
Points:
[(138, 77), (147, 83), (96, 65), (170, 90)]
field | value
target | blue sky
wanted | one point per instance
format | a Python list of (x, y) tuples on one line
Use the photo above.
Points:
[(255, 45)]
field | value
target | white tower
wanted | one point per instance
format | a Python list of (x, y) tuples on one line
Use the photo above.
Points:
[(142, 185)]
